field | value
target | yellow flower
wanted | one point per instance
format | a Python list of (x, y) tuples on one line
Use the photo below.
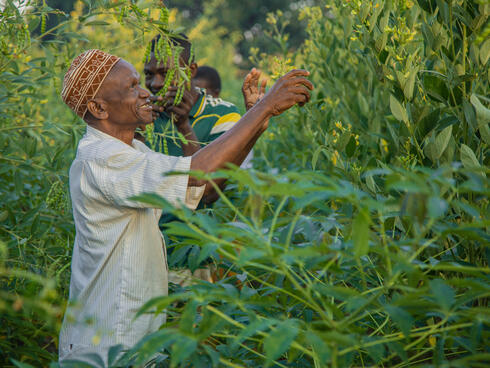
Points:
[(432, 340), (338, 124), (335, 157), (334, 133), (384, 144)]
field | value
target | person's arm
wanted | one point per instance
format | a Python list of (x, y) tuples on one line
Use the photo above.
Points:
[(235, 144)]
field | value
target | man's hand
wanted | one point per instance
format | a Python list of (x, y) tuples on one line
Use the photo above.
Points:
[(251, 89), (155, 103), (181, 111), (291, 89)]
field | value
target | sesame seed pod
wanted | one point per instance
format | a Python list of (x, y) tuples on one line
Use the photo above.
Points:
[(163, 53), (138, 11), (179, 95), (149, 135), (147, 53), (155, 50), (121, 15), (43, 23), (165, 146), (191, 54), (168, 49), (182, 138), (169, 78), (164, 17), (28, 35), (188, 74)]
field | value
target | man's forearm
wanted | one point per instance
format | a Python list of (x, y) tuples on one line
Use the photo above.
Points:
[(234, 145), (211, 195)]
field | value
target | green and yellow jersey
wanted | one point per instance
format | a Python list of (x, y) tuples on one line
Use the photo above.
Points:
[(209, 118)]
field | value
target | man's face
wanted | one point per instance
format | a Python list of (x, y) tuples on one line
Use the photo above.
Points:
[(204, 83), (128, 103), (155, 73)]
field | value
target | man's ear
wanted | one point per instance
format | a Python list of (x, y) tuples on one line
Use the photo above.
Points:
[(98, 108), (193, 68)]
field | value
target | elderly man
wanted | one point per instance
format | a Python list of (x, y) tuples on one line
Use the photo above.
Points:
[(119, 259)]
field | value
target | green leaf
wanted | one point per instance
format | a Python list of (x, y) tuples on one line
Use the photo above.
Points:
[(206, 250), (470, 115), (443, 293), (182, 349), (401, 317), (410, 84), (97, 23), (360, 233), (442, 141), (398, 110), (482, 113), (485, 52), (21, 364), (468, 157), (483, 118), (280, 339), (113, 353)]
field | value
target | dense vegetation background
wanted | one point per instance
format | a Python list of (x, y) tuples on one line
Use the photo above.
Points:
[(361, 237)]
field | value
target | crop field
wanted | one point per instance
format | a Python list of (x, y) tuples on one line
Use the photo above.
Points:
[(360, 237)]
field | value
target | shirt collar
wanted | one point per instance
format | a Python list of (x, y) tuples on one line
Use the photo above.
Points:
[(200, 104), (94, 132)]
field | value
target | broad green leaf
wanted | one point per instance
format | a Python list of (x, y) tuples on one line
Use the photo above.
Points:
[(437, 207), (319, 345), (113, 354), (280, 339), (485, 52), (21, 364), (410, 84), (482, 113), (398, 110), (483, 118), (97, 23), (442, 141), (468, 158), (470, 115), (443, 293), (182, 349), (360, 233)]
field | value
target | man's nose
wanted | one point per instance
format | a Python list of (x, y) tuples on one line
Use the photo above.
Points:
[(144, 93), (157, 82)]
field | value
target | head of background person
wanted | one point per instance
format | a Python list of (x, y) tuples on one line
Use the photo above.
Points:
[(104, 90), (209, 79), (155, 73)]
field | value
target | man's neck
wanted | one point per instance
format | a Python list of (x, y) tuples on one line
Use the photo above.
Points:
[(125, 134)]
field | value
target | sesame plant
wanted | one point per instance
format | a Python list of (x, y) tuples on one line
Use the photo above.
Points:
[(38, 139), (360, 238)]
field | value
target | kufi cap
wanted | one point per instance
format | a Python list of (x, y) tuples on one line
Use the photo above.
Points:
[(83, 79)]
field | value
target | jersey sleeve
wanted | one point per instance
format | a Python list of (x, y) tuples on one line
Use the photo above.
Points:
[(225, 122)]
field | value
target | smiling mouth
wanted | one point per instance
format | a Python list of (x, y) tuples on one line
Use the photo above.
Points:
[(145, 106)]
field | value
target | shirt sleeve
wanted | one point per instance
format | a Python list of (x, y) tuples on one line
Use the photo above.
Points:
[(228, 118), (129, 173)]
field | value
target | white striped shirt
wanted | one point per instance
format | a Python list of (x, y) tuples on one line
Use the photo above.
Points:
[(119, 260)]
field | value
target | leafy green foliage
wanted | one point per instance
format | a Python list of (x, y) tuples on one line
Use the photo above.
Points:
[(361, 239)]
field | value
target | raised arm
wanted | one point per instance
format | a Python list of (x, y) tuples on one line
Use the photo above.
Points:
[(233, 146)]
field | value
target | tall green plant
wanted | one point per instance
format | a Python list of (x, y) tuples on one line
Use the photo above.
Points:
[(38, 138)]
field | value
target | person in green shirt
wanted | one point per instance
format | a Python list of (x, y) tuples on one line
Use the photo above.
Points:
[(208, 78), (199, 117)]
